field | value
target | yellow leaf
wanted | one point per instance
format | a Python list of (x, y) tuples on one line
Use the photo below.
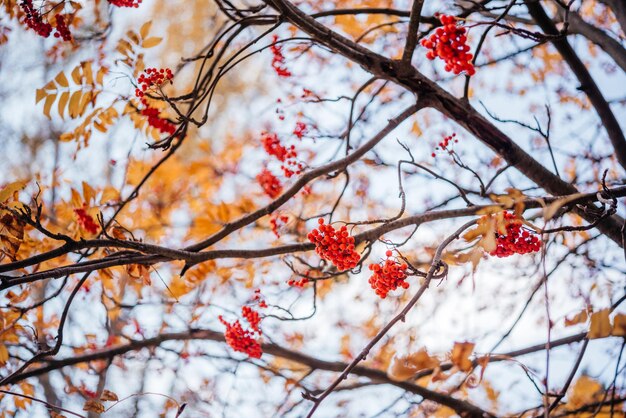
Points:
[(48, 105), (151, 42), (93, 406), (132, 35), (77, 200), (88, 193), (145, 29), (76, 75), (404, 367), (65, 96), (4, 354), (39, 95), (579, 318), (460, 355), (61, 80), (416, 129), (584, 392), (110, 194), (74, 105), (553, 208), (87, 72), (619, 325), (8, 190), (84, 102), (100, 75), (600, 325), (399, 370)]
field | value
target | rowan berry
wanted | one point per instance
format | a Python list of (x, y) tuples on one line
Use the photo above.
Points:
[(517, 240), (240, 339), (150, 80), (34, 20), (253, 318), (388, 276), (126, 3), (62, 31), (336, 246), (298, 283), (449, 44), (300, 129), (278, 59), (276, 222), (270, 183), (445, 143)]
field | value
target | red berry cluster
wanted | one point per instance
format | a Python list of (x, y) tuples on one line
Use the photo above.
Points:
[(246, 340), (242, 340), (153, 77), (273, 147), (448, 43), (62, 31), (388, 276), (298, 283), (276, 222), (445, 142), (34, 21), (300, 129), (253, 318), (287, 156), (126, 3), (257, 298), (85, 220), (335, 246), (270, 183), (157, 122), (517, 240), (150, 80), (278, 59)]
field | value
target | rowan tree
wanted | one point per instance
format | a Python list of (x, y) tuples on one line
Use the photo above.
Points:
[(379, 208)]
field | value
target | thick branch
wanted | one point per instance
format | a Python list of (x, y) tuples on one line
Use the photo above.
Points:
[(278, 351), (369, 235), (587, 83), (609, 45), (456, 109)]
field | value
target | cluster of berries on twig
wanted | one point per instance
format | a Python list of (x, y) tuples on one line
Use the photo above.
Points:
[(336, 246), (443, 145), (388, 276), (300, 129), (149, 81), (278, 59), (276, 221), (35, 21), (449, 44), (126, 3), (298, 283), (270, 183), (246, 340), (517, 240), (286, 155), (240, 339)]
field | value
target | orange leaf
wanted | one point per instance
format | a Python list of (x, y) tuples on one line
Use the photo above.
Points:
[(619, 325), (460, 355), (600, 325), (107, 395), (579, 318), (93, 406)]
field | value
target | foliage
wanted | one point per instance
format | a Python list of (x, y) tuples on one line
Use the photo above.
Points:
[(186, 219)]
